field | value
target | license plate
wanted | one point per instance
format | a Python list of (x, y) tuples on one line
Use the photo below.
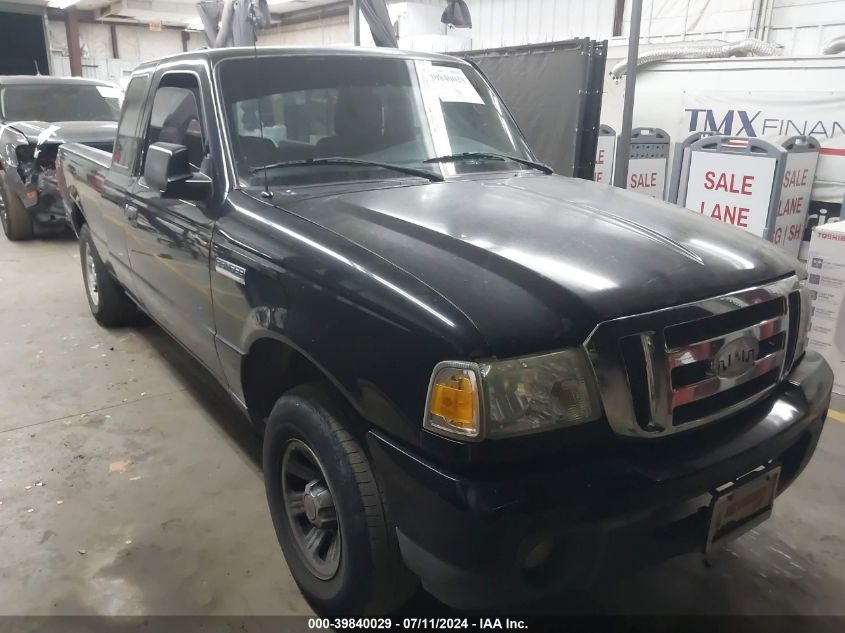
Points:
[(741, 507)]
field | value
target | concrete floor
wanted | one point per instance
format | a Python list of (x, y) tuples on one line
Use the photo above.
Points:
[(130, 485)]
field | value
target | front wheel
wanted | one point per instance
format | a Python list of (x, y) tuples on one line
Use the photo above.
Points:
[(327, 509), (16, 221), (109, 303)]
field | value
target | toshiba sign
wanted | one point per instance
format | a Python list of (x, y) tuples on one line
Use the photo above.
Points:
[(732, 188)]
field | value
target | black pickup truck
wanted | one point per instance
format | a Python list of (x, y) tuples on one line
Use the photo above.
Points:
[(469, 372), (37, 114)]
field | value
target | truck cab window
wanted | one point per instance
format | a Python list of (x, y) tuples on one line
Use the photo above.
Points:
[(176, 118)]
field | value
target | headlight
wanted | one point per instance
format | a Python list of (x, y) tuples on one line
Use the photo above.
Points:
[(803, 319), (512, 397), (26, 160)]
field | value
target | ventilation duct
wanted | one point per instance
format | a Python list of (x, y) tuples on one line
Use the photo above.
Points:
[(834, 46), (233, 23), (751, 48)]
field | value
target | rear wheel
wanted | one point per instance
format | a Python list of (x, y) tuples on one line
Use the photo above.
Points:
[(109, 303), (17, 224), (327, 509)]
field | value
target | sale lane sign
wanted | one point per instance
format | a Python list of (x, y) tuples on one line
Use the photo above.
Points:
[(647, 161), (647, 175), (732, 188), (605, 149), (794, 203)]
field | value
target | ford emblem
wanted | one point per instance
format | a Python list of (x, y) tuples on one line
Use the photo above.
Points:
[(736, 358)]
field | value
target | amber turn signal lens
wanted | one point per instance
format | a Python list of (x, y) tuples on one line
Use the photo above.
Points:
[(454, 401), (453, 406)]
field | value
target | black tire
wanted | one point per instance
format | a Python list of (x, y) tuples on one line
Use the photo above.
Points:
[(109, 303), (16, 221), (370, 578)]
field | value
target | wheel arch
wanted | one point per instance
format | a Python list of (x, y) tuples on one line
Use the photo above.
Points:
[(272, 366), (76, 216)]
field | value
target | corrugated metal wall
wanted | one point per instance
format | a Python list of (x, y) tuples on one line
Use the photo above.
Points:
[(800, 26), (512, 22), (328, 32)]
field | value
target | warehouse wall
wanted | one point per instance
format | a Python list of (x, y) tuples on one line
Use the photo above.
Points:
[(801, 26), (134, 45), (328, 32), (512, 22)]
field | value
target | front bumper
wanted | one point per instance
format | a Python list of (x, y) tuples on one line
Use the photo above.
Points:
[(41, 196), (468, 540), (45, 200)]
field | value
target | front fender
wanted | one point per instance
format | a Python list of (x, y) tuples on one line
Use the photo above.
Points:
[(374, 331)]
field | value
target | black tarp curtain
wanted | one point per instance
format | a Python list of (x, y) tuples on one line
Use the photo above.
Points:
[(554, 92)]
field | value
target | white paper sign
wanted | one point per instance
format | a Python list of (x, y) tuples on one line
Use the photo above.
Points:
[(794, 201), (647, 175), (604, 159), (451, 84), (732, 188)]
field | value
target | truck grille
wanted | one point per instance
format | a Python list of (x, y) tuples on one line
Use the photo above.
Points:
[(676, 369)]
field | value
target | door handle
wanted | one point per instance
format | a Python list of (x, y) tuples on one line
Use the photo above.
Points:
[(131, 212)]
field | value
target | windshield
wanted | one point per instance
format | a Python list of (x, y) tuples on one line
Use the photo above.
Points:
[(391, 111), (59, 102)]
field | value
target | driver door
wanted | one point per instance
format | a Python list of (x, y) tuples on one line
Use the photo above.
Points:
[(168, 239)]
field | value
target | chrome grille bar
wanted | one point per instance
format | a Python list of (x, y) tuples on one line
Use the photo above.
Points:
[(661, 372), (705, 350), (713, 385)]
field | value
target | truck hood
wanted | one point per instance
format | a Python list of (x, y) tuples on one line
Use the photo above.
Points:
[(67, 131), (536, 262)]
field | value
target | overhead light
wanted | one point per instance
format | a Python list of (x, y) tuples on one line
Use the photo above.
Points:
[(61, 4)]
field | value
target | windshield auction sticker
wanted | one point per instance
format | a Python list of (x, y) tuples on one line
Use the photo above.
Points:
[(451, 85)]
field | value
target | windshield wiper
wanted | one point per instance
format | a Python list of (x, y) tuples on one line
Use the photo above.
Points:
[(340, 160), (454, 158)]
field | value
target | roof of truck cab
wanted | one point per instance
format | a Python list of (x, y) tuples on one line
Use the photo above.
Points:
[(29, 80), (215, 55)]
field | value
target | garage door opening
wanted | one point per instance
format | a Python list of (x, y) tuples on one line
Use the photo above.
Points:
[(24, 46)]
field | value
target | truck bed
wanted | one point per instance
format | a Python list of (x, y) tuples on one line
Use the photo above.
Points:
[(84, 153), (82, 173)]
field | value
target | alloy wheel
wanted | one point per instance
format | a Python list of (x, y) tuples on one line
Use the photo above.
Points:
[(91, 276), (311, 511)]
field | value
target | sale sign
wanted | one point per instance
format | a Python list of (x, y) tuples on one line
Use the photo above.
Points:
[(794, 200), (732, 188), (604, 159), (648, 176)]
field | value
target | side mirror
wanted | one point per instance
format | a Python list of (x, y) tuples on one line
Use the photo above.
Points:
[(168, 170)]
